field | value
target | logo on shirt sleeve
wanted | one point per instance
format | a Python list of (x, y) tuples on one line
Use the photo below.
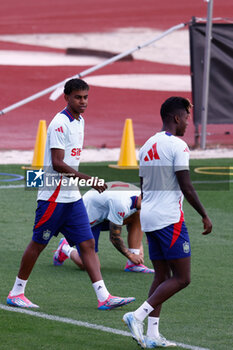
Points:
[(59, 129), (122, 214)]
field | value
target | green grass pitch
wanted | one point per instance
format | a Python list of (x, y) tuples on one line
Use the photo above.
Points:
[(200, 315)]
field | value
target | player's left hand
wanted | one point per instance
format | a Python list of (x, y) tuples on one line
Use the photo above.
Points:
[(207, 225)]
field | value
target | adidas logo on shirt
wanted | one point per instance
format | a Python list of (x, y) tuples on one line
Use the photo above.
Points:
[(59, 129), (122, 214), (152, 153)]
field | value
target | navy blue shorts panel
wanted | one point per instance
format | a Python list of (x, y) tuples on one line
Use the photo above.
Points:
[(68, 218), (171, 242), (103, 226)]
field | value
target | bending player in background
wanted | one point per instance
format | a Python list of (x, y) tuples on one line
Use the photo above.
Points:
[(119, 205), (165, 180), (60, 207)]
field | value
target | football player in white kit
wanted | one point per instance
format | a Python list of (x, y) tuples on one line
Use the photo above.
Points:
[(165, 179), (119, 205), (60, 207)]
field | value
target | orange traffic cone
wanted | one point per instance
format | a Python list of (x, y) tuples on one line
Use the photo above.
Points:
[(38, 157), (127, 159), (39, 149)]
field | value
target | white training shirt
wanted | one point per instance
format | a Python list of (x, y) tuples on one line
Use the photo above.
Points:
[(160, 157), (67, 133), (115, 204)]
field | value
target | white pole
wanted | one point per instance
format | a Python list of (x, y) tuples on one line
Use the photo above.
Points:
[(206, 73), (58, 92), (90, 70)]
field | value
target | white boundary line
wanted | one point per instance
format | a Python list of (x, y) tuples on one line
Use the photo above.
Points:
[(83, 324), (11, 186)]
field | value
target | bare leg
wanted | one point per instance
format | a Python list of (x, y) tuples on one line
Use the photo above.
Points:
[(90, 260), (163, 272), (168, 287), (29, 259), (135, 233), (76, 258)]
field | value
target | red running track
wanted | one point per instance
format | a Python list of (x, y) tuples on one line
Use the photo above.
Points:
[(108, 107), (75, 16)]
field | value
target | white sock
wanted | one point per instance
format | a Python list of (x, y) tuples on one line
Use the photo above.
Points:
[(153, 327), (67, 249), (100, 290), (143, 311), (19, 287), (134, 251)]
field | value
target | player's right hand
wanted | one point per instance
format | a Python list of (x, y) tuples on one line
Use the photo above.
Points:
[(136, 259), (207, 225), (100, 189)]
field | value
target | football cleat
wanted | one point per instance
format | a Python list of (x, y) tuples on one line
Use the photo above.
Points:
[(136, 328), (59, 257), (20, 301), (113, 302), (158, 341), (138, 268)]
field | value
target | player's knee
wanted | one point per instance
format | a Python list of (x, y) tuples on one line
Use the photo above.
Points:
[(184, 282), (35, 248), (160, 277), (87, 245)]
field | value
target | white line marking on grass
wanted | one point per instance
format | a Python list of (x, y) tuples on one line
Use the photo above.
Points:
[(191, 347), (11, 186), (83, 324), (65, 320)]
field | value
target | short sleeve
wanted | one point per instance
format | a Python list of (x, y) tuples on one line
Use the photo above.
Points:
[(57, 135), (181, 156), (141, 163), (116, 212)]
